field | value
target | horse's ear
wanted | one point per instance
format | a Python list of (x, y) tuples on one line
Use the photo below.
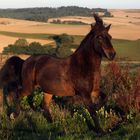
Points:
[(108, 27), (98, 19)]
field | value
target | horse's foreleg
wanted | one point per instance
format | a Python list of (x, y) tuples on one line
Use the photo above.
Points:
[(94, 116), (90, 106), (46, 102)]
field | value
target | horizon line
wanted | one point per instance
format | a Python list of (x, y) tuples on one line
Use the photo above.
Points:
[(71, 6)]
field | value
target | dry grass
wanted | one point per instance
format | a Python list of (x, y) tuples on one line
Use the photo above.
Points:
[(125, 23)]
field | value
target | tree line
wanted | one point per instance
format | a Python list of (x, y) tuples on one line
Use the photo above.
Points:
[(43, 14)]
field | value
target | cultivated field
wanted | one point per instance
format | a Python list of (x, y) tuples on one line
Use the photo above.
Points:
[(125, 25)]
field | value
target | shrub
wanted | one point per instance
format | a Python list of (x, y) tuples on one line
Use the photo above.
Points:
[(35, 100), (63, 39), (21, 42), (21, 46), (122, 87), (73, 22)]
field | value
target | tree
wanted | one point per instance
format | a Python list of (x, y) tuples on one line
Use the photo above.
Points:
[(35, 48), (107, 14), (21, 42), (62, 40)]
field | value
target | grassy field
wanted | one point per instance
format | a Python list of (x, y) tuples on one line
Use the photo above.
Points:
[(26, 35), (127, 49), (32, 125)]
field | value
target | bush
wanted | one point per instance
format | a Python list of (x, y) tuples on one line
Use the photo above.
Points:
[(63, 46), (63, 39), (107, 14), (35, 99), (68, 22), (21, 42), (21, 46), (122, 88), (63, 42)]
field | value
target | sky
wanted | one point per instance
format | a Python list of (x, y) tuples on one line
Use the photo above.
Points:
[(110, 4)]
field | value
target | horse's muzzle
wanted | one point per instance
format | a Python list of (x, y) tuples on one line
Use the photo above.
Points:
[(112, 55)]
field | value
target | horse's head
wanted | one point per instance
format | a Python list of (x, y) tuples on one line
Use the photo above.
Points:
[(102, 39)]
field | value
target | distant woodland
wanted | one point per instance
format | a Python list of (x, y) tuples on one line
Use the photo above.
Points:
[(43, 14)]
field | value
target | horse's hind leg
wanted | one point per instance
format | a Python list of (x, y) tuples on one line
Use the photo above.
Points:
[(26, 90), (46, 102), (94, 116)]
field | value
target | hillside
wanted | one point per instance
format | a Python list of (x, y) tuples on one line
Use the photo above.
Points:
[(124, 30)]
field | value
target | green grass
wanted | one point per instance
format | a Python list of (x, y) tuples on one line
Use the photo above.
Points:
[(126, 49), (32, 125), (27, 35)]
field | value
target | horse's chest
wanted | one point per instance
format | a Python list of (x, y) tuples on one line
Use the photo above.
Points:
[(84, 84)]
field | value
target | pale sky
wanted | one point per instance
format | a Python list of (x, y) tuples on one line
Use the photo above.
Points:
[(119, 4)]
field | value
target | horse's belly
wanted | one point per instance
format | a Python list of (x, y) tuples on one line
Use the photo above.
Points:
[(58, 88), (54, 79)]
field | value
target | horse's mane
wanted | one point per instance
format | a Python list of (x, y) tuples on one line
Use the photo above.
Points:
[(84, 41)]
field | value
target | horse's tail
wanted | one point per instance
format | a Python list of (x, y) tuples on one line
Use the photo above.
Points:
[(11, 71)]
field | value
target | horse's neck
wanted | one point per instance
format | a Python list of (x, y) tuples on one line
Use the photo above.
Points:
[(86, 56)]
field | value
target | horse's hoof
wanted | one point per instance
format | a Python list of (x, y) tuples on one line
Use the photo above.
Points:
[(101, 132)]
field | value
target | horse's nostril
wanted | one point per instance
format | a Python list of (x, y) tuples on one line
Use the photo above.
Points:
[(112, 55)]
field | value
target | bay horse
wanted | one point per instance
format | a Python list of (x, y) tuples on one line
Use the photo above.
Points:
[(79, 74), (76, 75)]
